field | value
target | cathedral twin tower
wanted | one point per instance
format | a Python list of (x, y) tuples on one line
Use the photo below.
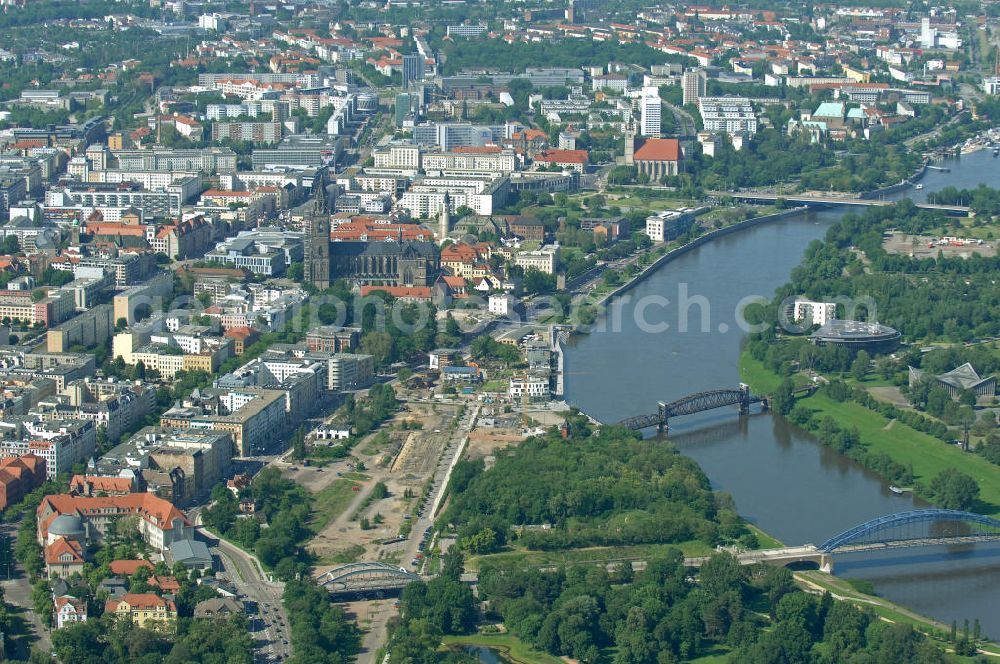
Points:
[(404, 263)]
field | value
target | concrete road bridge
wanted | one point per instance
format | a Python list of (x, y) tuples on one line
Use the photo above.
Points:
[(783, 557), (816, 200)]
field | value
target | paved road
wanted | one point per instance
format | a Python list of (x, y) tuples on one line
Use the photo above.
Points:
[(688, 127), (933, 133), (269, 621), (17, 593)]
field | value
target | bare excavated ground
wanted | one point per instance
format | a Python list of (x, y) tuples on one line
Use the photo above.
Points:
[(403, 455), (484, 442)]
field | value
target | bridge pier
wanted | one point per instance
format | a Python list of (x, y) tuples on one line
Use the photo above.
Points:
[(744, 399), (826, 563), (663, 426)]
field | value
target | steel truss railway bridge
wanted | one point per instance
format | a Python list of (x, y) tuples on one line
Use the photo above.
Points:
[(696, 403)]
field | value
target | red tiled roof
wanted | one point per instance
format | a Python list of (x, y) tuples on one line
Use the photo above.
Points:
[(238, 332), (28, 143), (128, 567), (659, 149), (563, 156), (414, 292), (139, 601), (240, 481), (114, 229), (167, 584), (368, 228), (146, 505), (78, 605), (106, 484), (461, 252), (384, 41), (183, 119), (63, 546), (13, 468), (530, 134)]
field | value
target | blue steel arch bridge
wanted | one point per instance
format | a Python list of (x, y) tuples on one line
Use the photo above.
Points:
[(926, 527), (916, 528)]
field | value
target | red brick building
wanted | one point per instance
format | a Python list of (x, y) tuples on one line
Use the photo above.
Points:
[(19, 476), (659, 157), (242, 338), (333, 339)]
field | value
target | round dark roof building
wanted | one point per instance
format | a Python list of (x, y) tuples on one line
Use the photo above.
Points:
[(66, 525), (857, 335)]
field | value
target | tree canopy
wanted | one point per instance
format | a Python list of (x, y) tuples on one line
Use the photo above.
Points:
[(608, 488)]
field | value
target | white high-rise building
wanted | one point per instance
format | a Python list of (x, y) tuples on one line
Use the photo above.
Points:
[(815, 313), (730, 115), (214, 22), (928, 35), (693, 85), (650, 108), (466, 30)]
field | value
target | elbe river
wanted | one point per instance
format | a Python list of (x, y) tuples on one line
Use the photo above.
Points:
[(782, 479)]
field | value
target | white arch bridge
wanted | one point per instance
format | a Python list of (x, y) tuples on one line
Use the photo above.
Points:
[(365, 579)]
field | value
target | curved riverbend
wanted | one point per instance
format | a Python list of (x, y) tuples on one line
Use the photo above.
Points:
[(782, 479)]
